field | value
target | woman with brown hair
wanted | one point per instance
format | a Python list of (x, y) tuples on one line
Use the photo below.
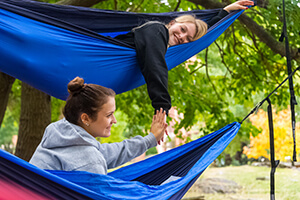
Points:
[(69, 144)]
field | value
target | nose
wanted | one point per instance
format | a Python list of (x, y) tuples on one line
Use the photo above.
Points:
[(183, 38), (114, 120)]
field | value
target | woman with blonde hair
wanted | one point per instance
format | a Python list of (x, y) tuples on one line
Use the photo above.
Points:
[(152, 39)]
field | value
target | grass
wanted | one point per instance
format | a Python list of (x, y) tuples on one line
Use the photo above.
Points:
[(287, 183)]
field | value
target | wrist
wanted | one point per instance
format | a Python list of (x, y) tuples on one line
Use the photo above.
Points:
[(226, 9)]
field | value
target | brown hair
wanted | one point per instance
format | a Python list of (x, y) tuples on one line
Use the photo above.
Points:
[(201, 26), (85, 98)]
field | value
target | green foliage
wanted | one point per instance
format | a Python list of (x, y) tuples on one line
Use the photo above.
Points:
[(8, 128), (225, 82), (151, 151), (56, 109), (14, 102), (117, 130), (220, 86), (146, 6)]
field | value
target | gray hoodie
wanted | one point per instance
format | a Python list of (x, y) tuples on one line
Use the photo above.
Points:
[(66, 146)]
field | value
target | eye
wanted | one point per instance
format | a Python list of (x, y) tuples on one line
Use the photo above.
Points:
[(182, 29), (109, 115)]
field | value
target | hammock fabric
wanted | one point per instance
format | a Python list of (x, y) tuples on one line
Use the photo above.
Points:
[(142, 180), (48, 45)]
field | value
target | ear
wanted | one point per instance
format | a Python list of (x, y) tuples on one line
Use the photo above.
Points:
[(172, 22), (84, 118)]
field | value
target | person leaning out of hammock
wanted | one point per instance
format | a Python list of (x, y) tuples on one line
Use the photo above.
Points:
[(70, 145), (152, 39)]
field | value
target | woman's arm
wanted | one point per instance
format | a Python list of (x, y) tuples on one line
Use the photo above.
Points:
[(119, 153), (238, 5), (151, 43), (217, 18)]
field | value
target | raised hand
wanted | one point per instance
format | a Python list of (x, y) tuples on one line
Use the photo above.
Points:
[(159, 126), (239, 5)]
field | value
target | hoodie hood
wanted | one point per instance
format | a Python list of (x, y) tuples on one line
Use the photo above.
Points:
[(63, 133)]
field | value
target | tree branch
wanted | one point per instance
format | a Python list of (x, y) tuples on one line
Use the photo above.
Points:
[(208, 77), (177, 5), (83, 3), (259, 31)]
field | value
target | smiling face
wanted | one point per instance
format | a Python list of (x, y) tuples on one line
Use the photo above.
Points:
[(105, 119), (180, 33)]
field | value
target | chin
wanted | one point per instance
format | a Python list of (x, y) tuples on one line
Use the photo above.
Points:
[(107, 134), (172, 43)]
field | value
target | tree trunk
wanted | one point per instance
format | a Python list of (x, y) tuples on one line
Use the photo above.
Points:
[(35, 116), (83, 3), (36, 107), (6, 83)]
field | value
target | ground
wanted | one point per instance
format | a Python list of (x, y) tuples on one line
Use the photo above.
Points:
[(247, 183)]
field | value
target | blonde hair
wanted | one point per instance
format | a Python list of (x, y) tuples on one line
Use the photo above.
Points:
[(201, 26)]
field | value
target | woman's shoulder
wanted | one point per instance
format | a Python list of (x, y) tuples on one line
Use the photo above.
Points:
[(152, 26), (152, 31)]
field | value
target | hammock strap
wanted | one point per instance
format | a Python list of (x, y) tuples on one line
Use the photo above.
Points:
[(274, 163), (260, 103), (293, 101)]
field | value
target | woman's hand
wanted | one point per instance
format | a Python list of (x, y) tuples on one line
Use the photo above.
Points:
[(239, 5), (159, 126)]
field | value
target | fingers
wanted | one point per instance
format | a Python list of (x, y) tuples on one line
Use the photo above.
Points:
[(238, 5), (244, 3), (159, 125), (160, 115)]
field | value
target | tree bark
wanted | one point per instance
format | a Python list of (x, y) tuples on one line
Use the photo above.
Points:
[(269, 40), (36, 107), (260, 32), (35, 116), (6, 83), (83, 3)]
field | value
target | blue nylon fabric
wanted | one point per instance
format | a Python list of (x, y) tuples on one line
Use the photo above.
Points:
[(102, 21), (118, 184), (48, 57), (27, 175), (155, 162)]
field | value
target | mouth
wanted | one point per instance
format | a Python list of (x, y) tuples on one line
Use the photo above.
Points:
[(176, 39)]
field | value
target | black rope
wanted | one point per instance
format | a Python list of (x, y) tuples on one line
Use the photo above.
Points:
[(265, 99), (274, 163), (293, 101)]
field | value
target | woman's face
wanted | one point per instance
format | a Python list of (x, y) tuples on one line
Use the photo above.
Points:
[(180, 33), (105, 119)]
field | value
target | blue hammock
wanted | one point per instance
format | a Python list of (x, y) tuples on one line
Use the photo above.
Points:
[(142, 180), (48, 45)]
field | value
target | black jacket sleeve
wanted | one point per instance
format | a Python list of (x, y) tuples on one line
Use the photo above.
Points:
[(217, 18), (151, 42)]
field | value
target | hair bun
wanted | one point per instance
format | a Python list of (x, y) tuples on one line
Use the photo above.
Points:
[(75, 85)]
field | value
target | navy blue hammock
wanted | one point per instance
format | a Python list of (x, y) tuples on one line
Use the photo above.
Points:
[(168, 175), (48, 45)]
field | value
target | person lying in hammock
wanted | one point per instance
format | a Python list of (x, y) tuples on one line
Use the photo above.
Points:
[(70, 145), (152, 39)]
